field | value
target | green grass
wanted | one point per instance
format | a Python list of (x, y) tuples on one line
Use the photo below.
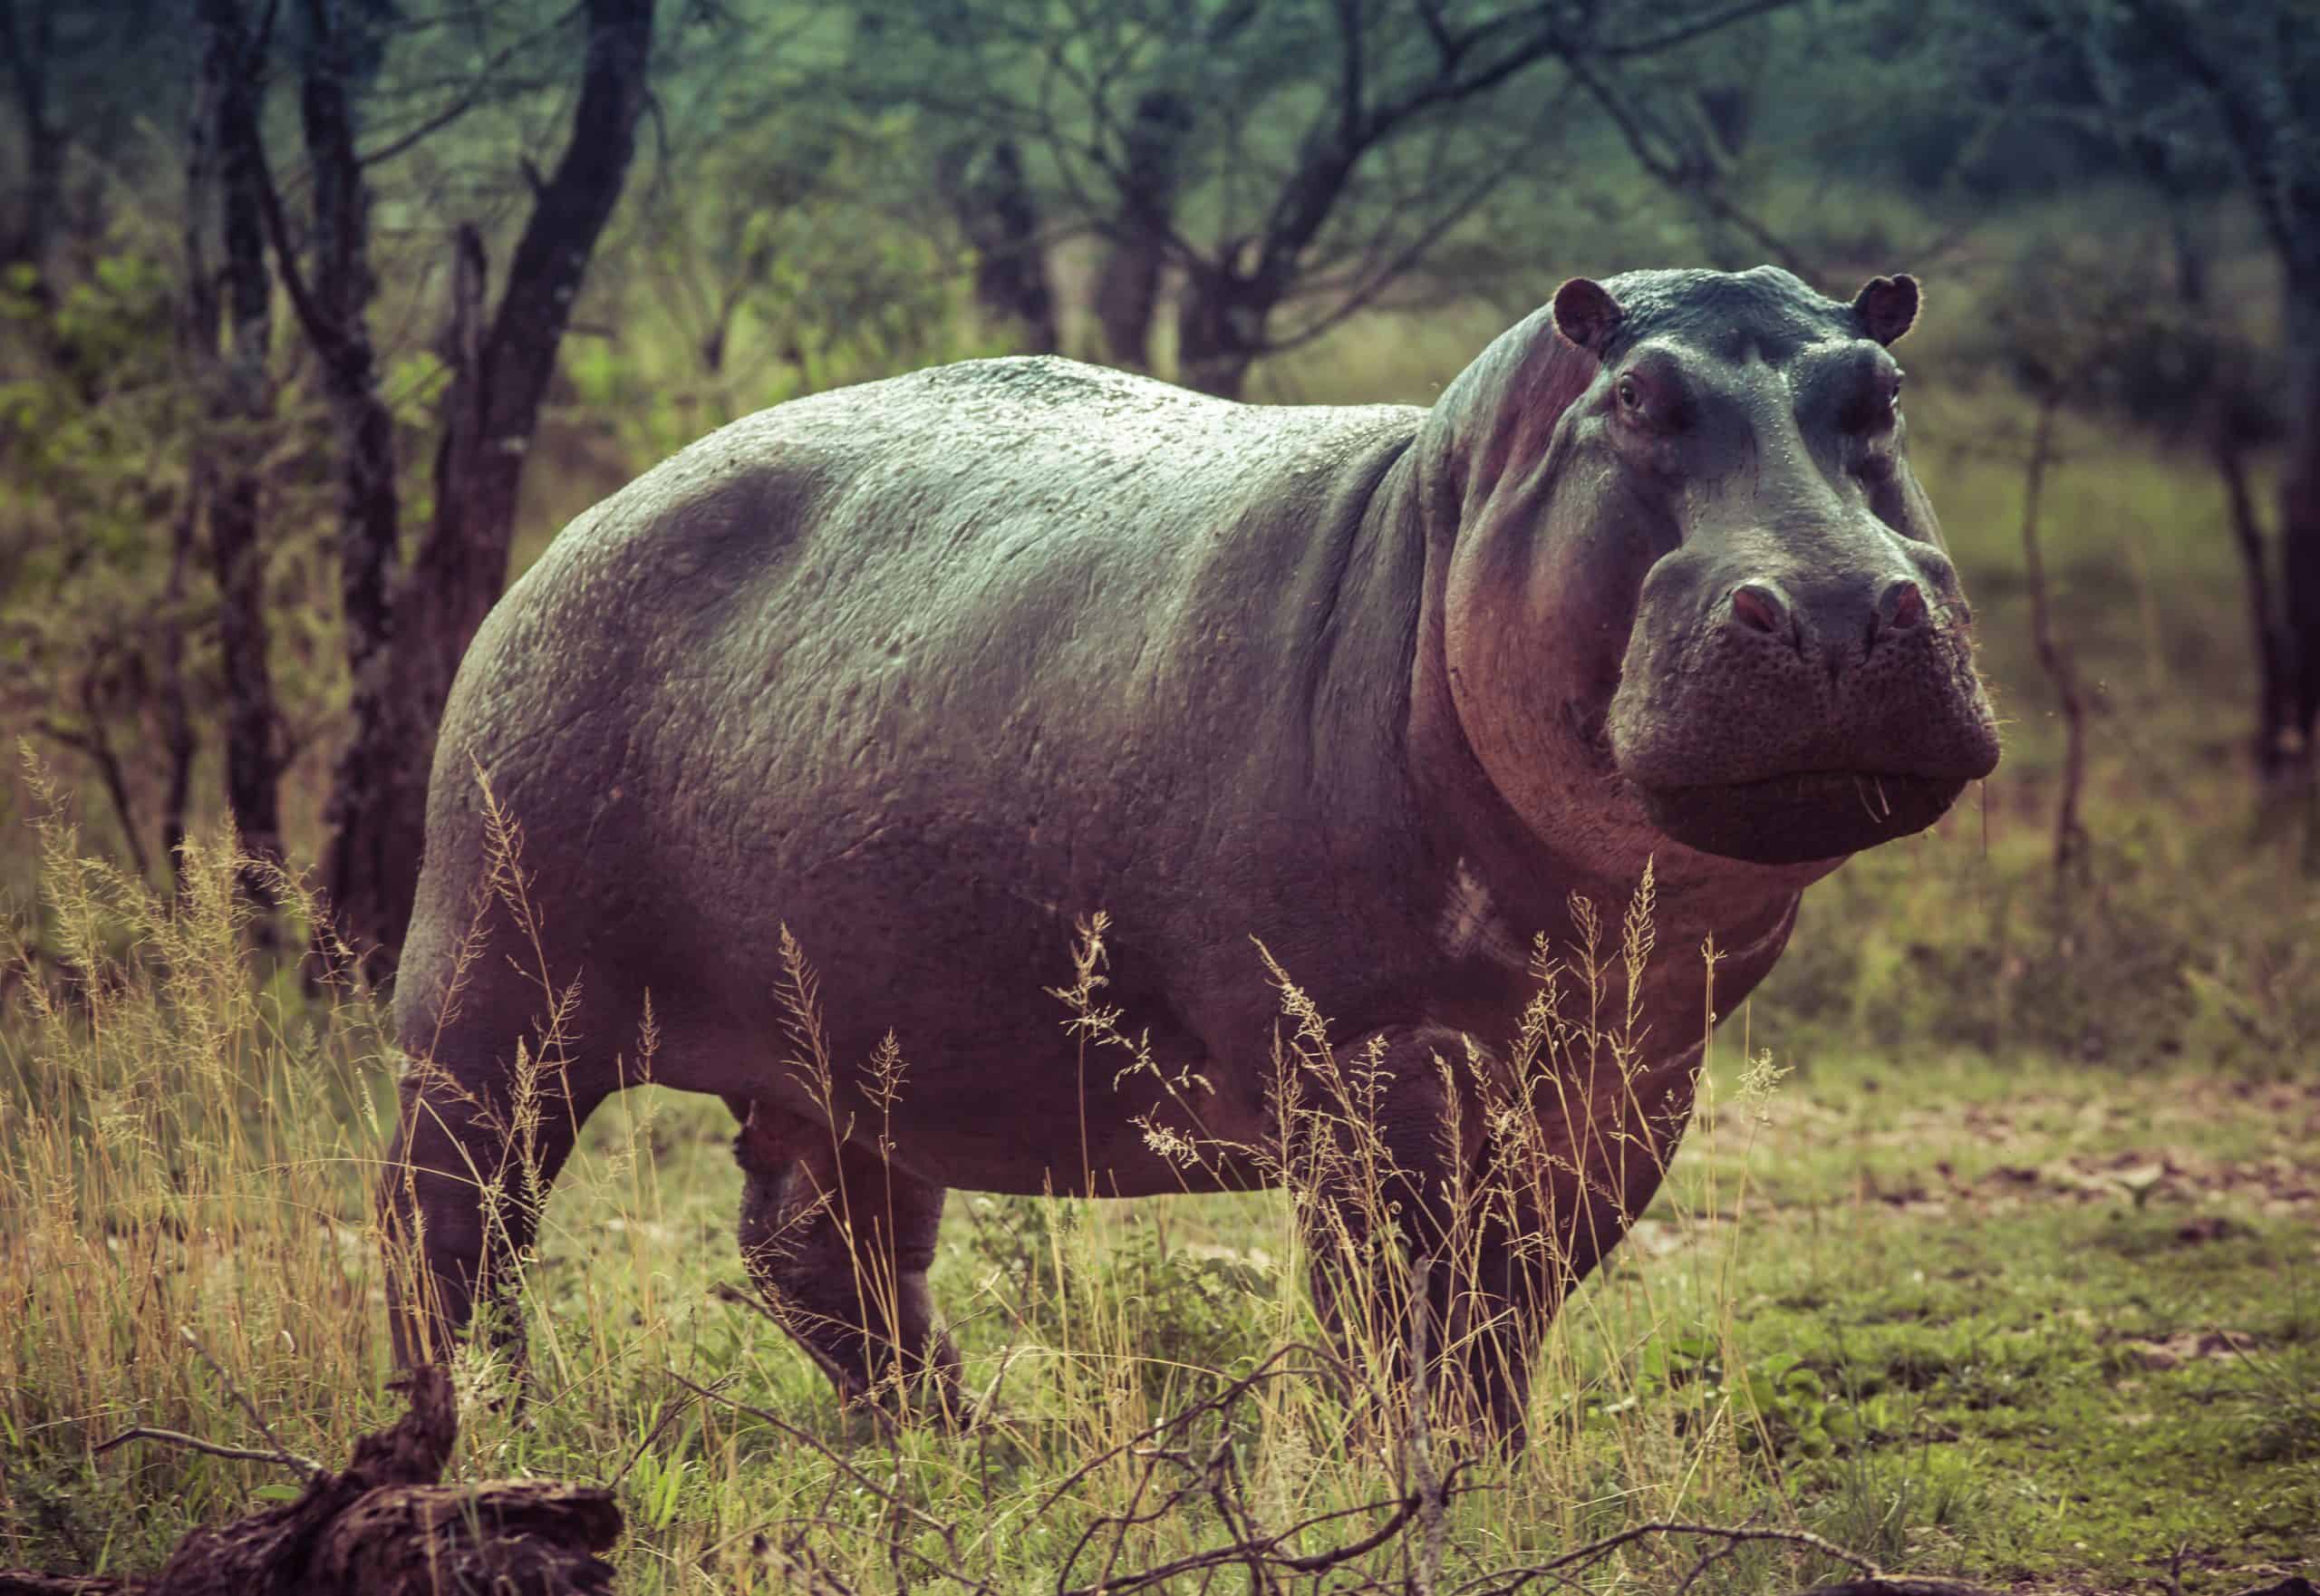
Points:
[(2044, 1328), (2012, 1279)]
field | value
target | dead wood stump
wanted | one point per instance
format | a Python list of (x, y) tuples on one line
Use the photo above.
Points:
[(386, 1527)]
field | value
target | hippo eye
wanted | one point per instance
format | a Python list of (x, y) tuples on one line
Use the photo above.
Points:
[(1630, 394), (1879, 410)]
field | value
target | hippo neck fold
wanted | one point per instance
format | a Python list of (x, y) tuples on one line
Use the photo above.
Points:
[(1492, 430)]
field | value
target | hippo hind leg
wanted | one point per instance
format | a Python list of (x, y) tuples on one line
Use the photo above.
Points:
[(838, 1243), (477, 1145)]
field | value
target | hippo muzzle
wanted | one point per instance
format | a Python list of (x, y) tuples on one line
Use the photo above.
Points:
[(1792, 715)]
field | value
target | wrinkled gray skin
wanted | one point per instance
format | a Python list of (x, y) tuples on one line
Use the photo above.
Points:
[(928, 669)]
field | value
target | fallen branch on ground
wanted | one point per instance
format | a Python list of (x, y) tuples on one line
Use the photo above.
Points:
[(384, 1527)]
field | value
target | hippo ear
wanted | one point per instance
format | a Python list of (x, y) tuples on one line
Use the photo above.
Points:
[(1887, 306), (1587, 314)]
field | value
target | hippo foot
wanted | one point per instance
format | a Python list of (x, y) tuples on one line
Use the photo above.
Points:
[(921, 1388), (1477, 1392)]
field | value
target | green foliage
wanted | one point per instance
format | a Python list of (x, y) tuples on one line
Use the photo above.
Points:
[(91, 398), (1776, 1402), (104, 412), (97, 423), (1194, 1312), (776, 273)]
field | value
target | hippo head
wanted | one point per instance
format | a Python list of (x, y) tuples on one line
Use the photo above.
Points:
[(1689, 561)]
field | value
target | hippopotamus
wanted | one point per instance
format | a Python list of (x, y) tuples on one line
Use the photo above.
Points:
[(903, 682)]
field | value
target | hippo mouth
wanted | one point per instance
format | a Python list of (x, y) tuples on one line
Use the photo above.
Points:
[(1800, 817)]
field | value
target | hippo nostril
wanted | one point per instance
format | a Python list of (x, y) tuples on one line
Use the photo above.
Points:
[(1903, 605), (1760, 606)]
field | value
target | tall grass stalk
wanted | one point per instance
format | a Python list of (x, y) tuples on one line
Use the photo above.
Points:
[(183, 1145), (187, 1142)]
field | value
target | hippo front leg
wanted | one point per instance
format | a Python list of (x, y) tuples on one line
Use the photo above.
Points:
[(1412, 1251), (1570, 1162), (838, 1243), (1582, 1164)]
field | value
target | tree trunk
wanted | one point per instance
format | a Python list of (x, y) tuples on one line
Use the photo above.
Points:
[(2300, 514), (178, 741), (369, 508), (492, 411), (2227, 447), (1730, 112), (28, 44), (1220, 331), (237, 558), (378, 795), (370, 514), (1127, 284), (1153, 149), (2255, 95), (1127, 292), (2053, 656), (2275, 689), (999, 216), (43, 205), (198, 341)]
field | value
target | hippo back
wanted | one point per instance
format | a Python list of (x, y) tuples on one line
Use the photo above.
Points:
[(926, 670)]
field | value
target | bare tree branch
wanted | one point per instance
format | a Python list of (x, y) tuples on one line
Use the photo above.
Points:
[(484, 82), (1634, 127), (1685, 32), (195, 1443)]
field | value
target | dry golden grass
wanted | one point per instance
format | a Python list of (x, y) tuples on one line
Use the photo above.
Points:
[(189, 1153), (187, 1146)]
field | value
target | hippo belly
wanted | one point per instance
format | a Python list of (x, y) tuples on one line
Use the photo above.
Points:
[(928, 683)]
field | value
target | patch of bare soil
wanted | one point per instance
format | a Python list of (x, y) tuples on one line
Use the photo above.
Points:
[(2133, 1167), (2275, 1185), (2189, 1347)]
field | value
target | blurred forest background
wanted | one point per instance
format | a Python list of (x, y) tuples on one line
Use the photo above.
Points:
[(319, 317)]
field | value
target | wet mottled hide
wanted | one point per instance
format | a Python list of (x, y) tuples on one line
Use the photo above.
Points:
[(930, 669)]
